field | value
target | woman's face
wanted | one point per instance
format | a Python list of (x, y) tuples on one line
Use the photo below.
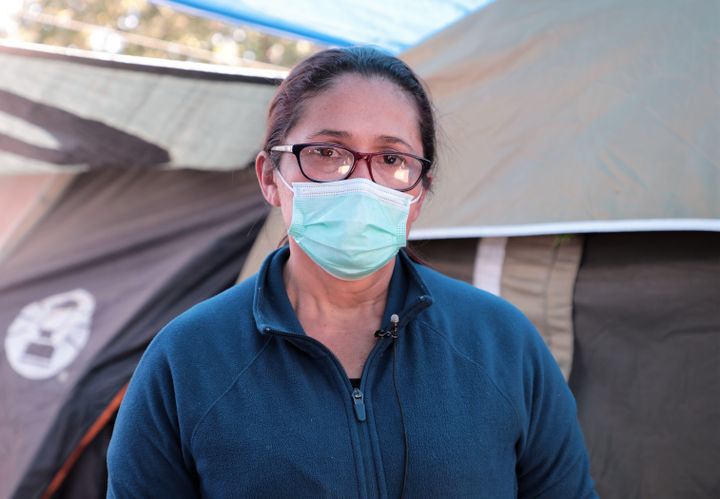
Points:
[(362, 114)]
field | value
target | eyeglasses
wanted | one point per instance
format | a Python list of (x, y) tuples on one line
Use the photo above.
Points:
[(321, 162)]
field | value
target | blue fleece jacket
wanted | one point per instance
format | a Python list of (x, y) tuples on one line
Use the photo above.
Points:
[(232, 399)]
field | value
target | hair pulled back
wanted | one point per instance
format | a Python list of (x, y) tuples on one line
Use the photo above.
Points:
[(318, 73)]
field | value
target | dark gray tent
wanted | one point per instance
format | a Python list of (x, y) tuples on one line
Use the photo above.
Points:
[(128, 239)]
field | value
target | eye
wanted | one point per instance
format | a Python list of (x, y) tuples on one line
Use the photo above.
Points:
[(325, 152), (396, 160)]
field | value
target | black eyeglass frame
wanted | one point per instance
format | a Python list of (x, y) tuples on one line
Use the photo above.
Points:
[(367, 156)]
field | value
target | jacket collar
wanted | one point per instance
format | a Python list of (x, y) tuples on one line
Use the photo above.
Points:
[(407, 296)]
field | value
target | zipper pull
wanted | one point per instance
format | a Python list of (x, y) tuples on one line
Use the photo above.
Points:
[(359, 404)]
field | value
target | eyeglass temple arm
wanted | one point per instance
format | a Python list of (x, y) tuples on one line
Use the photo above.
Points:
[(283, 148)]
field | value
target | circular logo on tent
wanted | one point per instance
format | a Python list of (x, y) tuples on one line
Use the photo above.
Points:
[(48, 335)]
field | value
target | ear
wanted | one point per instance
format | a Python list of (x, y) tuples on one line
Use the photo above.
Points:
[(264, 170)]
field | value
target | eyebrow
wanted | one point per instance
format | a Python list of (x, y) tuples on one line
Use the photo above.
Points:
[(390, 139), (332, 133), (386, 139)]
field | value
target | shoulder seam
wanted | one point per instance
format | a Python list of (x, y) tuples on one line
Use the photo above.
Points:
[(229, 387), (482, 369)]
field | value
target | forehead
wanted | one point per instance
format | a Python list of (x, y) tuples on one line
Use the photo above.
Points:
[(364, 107)]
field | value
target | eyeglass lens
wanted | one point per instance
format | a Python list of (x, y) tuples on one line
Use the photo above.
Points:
[(328, 163)]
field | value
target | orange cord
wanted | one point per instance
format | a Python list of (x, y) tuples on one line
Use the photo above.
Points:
[(89, 436)]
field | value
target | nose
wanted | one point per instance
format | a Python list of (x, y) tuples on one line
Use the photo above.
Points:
[(362, 167)]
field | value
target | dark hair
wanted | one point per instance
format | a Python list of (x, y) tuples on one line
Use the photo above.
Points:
[(319, 72)]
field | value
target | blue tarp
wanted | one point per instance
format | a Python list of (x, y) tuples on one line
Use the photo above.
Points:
[(393, 25)]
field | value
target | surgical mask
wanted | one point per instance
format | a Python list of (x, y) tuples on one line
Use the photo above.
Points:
[(350, 228)]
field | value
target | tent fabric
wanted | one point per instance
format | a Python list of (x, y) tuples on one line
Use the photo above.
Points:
[(538, 276), (71, 113), (454, 258), (24, 200), (94, 438), (645, 371), (109, 231), (392, 26), (140, 246), (17, 198), (88, 477), (489, 261), (566, 117), (269, 238)]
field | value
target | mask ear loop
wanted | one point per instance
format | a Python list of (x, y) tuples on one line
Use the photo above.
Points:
[(282, 179), (417, 198)]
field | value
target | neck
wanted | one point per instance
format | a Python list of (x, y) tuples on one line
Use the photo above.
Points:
[(314, 292), (343, 315)]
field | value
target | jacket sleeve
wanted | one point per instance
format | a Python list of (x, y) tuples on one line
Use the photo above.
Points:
[(552, 459), (146, 458)]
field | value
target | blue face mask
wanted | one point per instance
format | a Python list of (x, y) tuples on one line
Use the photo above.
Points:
[(350, 228)]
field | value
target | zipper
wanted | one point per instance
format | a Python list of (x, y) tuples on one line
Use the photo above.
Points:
[(359, 404), (357, 395), (358, 400)]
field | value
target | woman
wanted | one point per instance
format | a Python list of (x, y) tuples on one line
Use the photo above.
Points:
[(344, 368)]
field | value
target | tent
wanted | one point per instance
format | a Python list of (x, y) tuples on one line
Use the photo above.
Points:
[(578, 178), (120, 209)]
